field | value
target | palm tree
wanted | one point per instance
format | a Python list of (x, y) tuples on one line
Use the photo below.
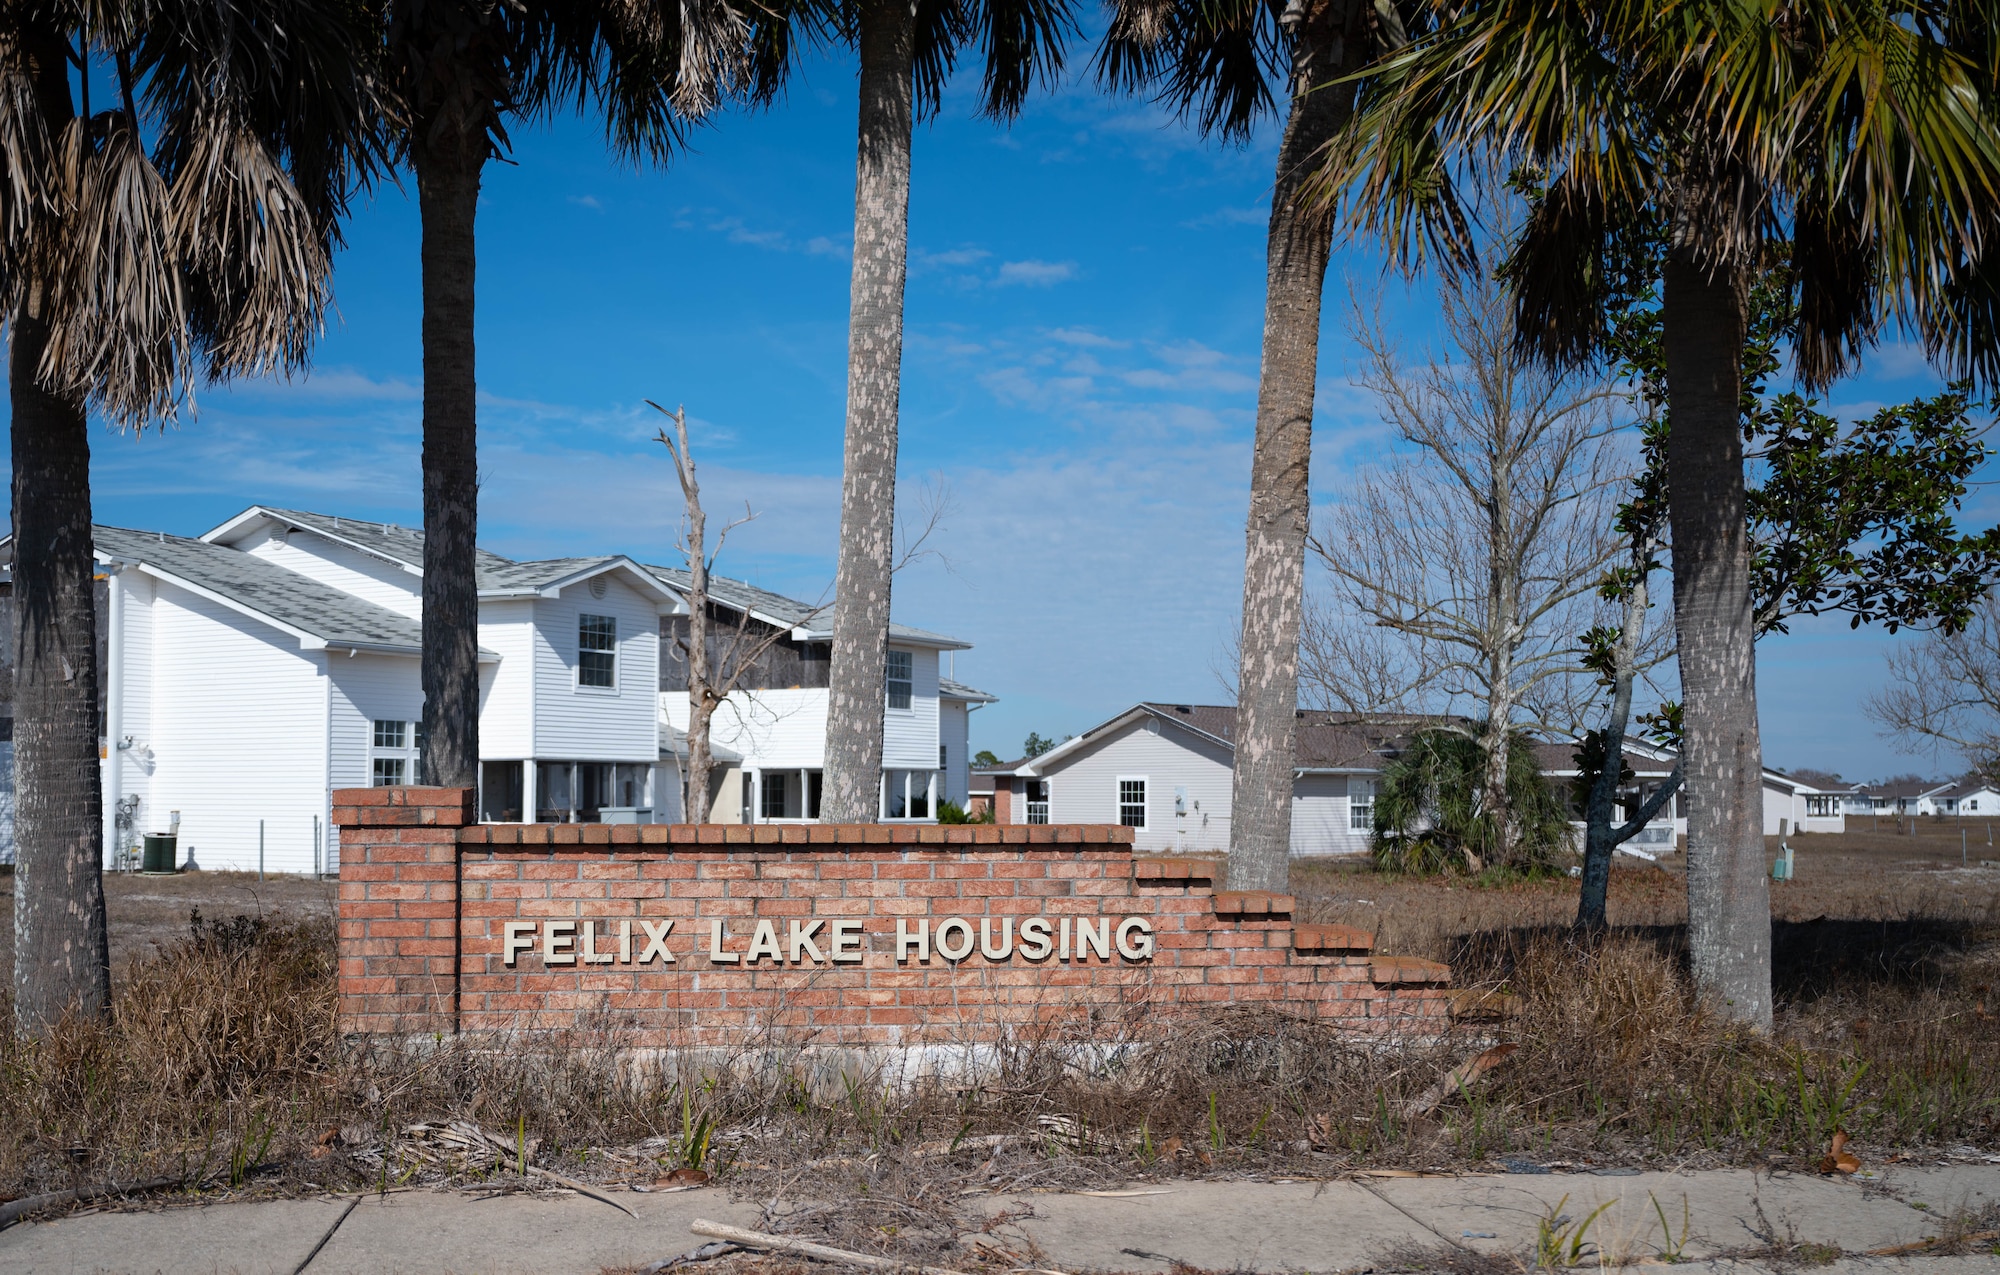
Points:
[(906, 54), (465, 67), (1225, 64), (188, 220), (1860, 133)]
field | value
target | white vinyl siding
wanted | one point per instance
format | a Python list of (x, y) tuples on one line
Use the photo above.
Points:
[(367, 689), (349, 570), (953, 740), (781, 730), (578, 723), (910, 738), (1323, 816), (506, 688), (1083, 786), (237, 734)]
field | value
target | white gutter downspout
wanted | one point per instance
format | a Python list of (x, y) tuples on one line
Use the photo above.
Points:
[(114, 713)]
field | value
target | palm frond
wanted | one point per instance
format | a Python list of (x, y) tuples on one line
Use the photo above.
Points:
[(1025, 43), (118, 322), (943, 27), (256, 264)]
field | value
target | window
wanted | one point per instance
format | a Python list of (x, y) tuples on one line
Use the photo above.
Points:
[(397, 755), (1821, 807), (944, 758), (906, 794), (1132, 802), (897, 674), (774, 794), (1360, 805), (596, 650), (1038, 800)]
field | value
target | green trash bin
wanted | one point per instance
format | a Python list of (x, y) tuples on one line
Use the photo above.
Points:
[(159, 853)]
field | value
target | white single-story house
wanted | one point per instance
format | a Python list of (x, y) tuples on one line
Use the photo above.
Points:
[(1165, 770), (1970, 799), (251, 671)]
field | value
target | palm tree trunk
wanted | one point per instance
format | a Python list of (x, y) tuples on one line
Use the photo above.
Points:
[(1274, 564), (1729, 906), (874, 377), (448, 171), (61, 958)]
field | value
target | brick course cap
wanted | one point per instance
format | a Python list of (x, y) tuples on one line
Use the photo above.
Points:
[(1332, 938), (1390, 970), (1173, 869), (1253, 903)]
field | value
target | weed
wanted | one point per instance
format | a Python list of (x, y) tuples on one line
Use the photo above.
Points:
[(1560, 1241), (1673, 1247)]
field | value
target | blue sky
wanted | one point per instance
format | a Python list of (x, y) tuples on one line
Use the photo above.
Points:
[(1083, 319)]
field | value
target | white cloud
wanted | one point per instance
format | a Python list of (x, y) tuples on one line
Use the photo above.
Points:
[(1034, 274), (587, 201)]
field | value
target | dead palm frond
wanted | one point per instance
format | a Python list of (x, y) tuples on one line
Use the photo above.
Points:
[(192, 222)]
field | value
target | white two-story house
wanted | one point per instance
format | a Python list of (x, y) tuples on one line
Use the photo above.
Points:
[(774, 722), (250, 672)]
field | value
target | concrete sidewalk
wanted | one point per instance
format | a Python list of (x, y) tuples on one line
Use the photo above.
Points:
[(1339, 1226)]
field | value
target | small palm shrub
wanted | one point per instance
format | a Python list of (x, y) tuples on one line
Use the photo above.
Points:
[(1429, 817)]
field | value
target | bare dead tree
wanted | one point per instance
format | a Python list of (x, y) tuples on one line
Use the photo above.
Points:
[(1944, 692), (1463, 567), (716, 669), (712, 675)]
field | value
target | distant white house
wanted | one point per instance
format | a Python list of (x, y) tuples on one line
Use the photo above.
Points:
[(1165, 771), (250, 672), (1968, 800)]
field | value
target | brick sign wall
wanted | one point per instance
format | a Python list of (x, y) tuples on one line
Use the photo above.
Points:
[(849, 935)]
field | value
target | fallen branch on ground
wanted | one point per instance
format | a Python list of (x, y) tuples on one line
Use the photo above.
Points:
[(14, 1212), (1458, 1078), (806, 1248)]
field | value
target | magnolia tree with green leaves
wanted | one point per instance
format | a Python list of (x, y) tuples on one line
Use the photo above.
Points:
[(1860, 135), (1858, 520)]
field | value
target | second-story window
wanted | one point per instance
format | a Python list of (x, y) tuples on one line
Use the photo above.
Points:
[(898, 673), (597, 650)]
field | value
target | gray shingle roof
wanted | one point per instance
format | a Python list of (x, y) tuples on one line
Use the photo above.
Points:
[(296, 601), (818, 621), (959, 690), (400, 544)]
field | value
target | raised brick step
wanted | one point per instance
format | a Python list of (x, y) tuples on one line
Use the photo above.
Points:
[(1262, 903), (1390, 970), (1173, 869), (1331, 938)]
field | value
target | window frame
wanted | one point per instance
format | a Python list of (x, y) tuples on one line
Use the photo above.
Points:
[(610, 653), (408, 751), (1144, 803), (908, 681), (1361, 805)]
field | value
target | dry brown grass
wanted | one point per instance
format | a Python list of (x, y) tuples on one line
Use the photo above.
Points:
[(222, 1064)]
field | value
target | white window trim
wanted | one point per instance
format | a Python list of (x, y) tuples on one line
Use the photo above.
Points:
[(409, 754), (617, 644), (934, 788), (1145, 805), (911, 707), (1363, 799)]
